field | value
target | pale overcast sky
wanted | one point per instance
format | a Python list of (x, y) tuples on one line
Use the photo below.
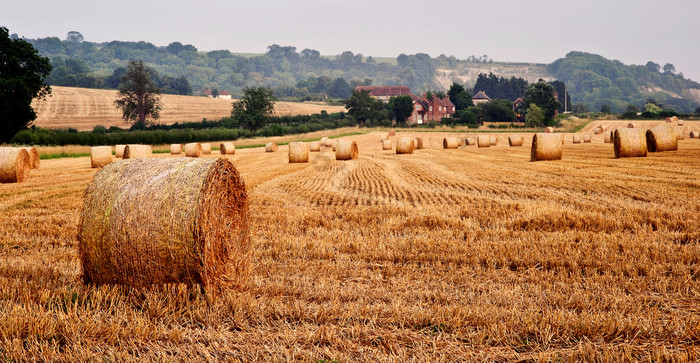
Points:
[(631, 31)]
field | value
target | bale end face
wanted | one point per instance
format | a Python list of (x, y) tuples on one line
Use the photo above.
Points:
[(516, 140), (100, 156), (227, 148), (450, 143), (298, 152), (132, 151), (346, 150), (405, 145), (630, 143), (15, 164), (546, 147)]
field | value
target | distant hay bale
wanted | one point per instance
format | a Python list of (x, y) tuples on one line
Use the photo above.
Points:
[(668, 119), (346, 150), (34, 157), (165, 220), (206, 148), (679, 132), (493, 140), (576, 139), (549, 130), (119, 151), (385, 136), (334, 144), (546, 147), (630, 143), (694, 134), (630, 125), (134, 151), (15, 164), (175, 149), (323, 141), (315, 146), (193, 150), (674, 118), (450, 142), (405, 145), (662, 138), (227, 148), (680, 123), (391, 133), (298, 152), (100, 156), (587, 138), (271, 147), (462, 141), (419, 143), (483, 141), (599, 130), (607, 138), (469, 141), (516, 140), (386, 144)]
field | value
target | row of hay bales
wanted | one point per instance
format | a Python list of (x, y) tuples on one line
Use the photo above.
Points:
[(16, 163), (344, 149), (102, 155)]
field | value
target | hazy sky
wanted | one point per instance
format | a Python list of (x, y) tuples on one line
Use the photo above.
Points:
[(631, 31)]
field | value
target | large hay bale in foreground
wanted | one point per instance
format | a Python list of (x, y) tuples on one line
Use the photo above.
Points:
[(298, 152), (386, 144), (450, 142), (630, 143), (133, 151), (419, 143), (346, 150), (227, 148), (679, 132), (119, 151), (662, 138), (405, 145), (587, 138), (33, 156), (546, 147), (271, 147), (516, 140), (100, 156), (549, 130), (193, 150), (576, 139), (175, 149), (15, 165), (165, 220), (315, 146), (206, 148), (483, 141)]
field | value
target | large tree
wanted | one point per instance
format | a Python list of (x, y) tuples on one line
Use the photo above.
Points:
[(138, 95), (459, 96), (364, 107), (254, 108), (22, 73), (401, 108), (542, 94)]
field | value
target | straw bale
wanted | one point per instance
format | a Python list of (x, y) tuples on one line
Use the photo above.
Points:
[(549, 130), (166, 220), (206, 148), (516, 140), (133, 151), (33, 157), (385, 136), (100, 156), (193, 150), (450, 142), (15, 164), (315, 146), (386, 144), (662, 138), (346, 150), (462, 141), (483, 141), (419, 143), (607, 137), (493, 140), (599, 130), (324, 140), (119, 151), (298, 152), (227, 148), (680, 122), (271, 147), (576, 139), (392, 133), (587, 138), (630, 125), (630, 143), (334, 144), (668, 119), (694, 134), (405, 145), (679, 132), (546, 147), (175, 149), (674, 118), (469, 141)]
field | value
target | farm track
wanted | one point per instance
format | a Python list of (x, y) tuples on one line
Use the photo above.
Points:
[(442, 255)]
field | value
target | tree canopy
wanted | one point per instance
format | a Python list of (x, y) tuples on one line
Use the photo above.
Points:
[(22, 74), (363, 107), (542, 94), (459, 96), (138, 95), (254, 108), (401, 108)]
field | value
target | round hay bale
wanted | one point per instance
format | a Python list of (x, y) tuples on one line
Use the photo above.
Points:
[(419, 143), (227, 148), (694, 134), (516, 140), (346, 150), (576, 139), (483, 141), (193, 150), (385, 136), (324, 140), (450, 142), (100, 156), (549, 130), (315, 146), (630, 125), (680, 122), (334, 144), (598, 130), (386, 144), (630, 143), (15, 164), (493, 140), (668, 119), (298, 152), (679, 132), (392, 133), (405, 145), (587, 138), (119, 151), (546, 147), (206, 148), (674, 118), (662, 138), (607, 138), (133, 151), (469, 141), (166, 220), (175, 149), (271, 147), (462, 141), (34, 157)]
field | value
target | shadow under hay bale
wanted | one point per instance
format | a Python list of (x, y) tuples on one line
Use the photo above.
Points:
[(193, 150), (661, 138), (133, 151), (271, 147), (15, 164), (405, 145), (165, 220), (100, 156), (483, 141), (346, 150), (298, 152), (227, 148), (630, 143), (516, 140), (546, 147)]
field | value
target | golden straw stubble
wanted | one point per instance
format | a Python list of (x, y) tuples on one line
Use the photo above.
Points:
[(662, 138), (630, 143), (227, 148), (346, 150), (15, 165), (100, 156), (298, 152), (405, 145), (546, 147), (165, 220), (193, 150)]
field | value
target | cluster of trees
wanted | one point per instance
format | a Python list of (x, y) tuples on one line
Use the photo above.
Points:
[(320, 88)]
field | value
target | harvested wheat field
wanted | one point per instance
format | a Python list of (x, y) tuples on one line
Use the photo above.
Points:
[(441, 255), (85, 108)]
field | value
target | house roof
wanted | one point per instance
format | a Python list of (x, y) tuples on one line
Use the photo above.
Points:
[(481, 96)]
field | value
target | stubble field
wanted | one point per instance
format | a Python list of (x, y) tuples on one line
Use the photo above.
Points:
[(443, 255)]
